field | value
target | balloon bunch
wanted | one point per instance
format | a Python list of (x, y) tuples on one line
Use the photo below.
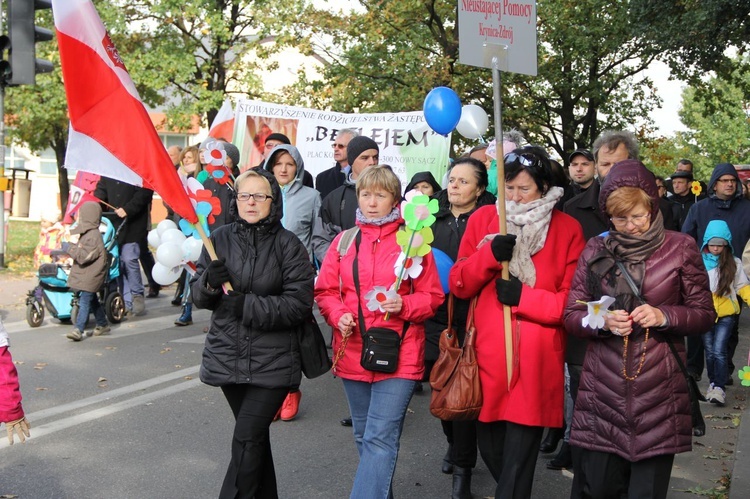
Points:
[(443, 113), (174, 252)]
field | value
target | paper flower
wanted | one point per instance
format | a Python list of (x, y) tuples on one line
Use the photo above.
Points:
[(744, 375), (415, 243), (220, 173), (696, 188), (418, 210), (377, 297), (214, 155), (597, 310), (412, 267)]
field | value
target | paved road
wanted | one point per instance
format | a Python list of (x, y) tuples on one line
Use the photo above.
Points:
[(125, 416)]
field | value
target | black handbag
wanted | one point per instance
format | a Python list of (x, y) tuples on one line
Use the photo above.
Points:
[(380, 345), (699, 425), (312, 349)]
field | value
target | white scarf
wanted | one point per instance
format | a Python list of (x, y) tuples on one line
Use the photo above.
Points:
[(530, 223)]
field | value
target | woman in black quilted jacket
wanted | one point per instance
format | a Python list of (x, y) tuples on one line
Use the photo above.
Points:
[(251, 350)]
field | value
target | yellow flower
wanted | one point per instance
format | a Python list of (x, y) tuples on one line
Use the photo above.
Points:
[(696, 188)]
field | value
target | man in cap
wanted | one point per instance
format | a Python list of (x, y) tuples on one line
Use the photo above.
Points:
[(685, 165), (682, 197), (582, 173)]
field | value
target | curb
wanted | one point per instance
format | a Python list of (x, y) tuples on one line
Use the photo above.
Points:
[(741, 470)]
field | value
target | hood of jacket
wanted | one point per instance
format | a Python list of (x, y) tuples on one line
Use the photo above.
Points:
[(89, 217), (277, 205), (630, 173), (296, 156), (423, 177), (717, 228), (720, 170)]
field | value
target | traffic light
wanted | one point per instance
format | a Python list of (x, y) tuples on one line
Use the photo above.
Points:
[(24, 34)]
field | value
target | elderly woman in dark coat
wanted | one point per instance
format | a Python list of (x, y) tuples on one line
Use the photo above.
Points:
[(632, 413), (251, 350)]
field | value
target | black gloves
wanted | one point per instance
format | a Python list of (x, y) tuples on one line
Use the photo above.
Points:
[(509, 292), (502, 247), (235, 302), (216, 273)]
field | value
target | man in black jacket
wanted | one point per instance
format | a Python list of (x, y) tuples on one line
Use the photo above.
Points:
[(333, 178), (133, 203), (682, 198)]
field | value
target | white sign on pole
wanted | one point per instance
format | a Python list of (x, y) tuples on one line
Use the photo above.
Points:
[(505, 29)]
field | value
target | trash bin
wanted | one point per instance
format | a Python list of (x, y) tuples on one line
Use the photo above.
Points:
[(21, 197)]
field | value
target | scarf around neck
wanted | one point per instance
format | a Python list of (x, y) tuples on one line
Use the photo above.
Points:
[(632, 251), (530, 223), (394, 215)]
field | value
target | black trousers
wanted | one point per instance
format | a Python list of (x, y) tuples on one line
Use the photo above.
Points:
[(602, 475), (251, 472), (734, 339), (696, 356), (462, 436), (510, 451)]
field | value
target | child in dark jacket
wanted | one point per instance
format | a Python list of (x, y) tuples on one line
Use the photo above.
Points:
[(89, 269), (11, 411)]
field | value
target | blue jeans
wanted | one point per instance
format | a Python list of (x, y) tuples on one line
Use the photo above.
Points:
[(378, 411), (89, 302), (131, 282), (716, 344)]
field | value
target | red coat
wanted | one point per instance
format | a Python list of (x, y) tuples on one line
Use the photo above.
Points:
[(10, 394), (536, 398), (378, 252)]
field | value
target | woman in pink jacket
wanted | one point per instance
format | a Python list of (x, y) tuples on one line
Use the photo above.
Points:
[(11, 411), (542, 247), (377, 400)]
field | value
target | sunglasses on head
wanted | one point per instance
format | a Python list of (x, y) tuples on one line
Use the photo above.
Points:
[(527, 159)]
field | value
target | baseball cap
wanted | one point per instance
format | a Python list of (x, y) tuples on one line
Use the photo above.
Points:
[(583, 152)]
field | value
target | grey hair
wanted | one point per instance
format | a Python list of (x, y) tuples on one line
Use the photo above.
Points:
[(349, 131), (514, 136), (612, 139)]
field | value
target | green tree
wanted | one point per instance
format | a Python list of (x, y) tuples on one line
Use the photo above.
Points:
[(389, 54), (719, 121)]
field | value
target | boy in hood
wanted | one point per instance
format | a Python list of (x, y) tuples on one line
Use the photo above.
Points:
[(89, 269)]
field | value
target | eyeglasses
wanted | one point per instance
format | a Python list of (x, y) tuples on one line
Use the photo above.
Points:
[(727, 181), (637, 220), (526, 159), (259, 197), (338, 146)]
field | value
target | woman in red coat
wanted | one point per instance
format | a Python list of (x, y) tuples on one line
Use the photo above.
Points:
[(632, 413), (377, 400), (542, 247)]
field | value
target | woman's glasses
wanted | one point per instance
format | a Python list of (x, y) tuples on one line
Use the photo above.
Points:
[(637, 220), (259, 197)]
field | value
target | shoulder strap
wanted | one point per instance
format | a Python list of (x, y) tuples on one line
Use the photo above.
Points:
[(346, 240)]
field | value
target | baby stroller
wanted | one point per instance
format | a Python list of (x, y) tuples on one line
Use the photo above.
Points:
[(53, 292)]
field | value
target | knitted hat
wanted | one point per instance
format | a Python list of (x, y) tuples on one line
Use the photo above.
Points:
[(232, 153), (280, 137), (358, 145), (717, 241)]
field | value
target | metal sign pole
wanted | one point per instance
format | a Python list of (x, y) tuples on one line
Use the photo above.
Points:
[(3, 226)]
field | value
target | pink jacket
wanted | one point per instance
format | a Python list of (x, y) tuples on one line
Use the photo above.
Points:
[(336, 295), (10, 394), (536, 397)]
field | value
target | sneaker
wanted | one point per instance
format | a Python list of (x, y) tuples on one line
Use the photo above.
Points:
[(75, 335), (101, 330), (290, 408), (139, 305), (716, 396)]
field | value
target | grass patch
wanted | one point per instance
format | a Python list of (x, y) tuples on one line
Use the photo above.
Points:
[(19, 250)]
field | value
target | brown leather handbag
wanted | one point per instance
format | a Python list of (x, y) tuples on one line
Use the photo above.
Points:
[(456, 390)]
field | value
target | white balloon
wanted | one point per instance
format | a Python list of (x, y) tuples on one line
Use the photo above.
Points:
[(169, 254), (473, 123), (165, 225), (165, 275), (191, 249), (153, 238), (173, 236)]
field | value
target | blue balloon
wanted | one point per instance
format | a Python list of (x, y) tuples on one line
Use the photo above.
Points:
[(444, 264), (442, 110)]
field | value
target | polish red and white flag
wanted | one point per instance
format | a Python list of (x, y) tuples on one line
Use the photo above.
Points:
[(223, 125), (110, 133)]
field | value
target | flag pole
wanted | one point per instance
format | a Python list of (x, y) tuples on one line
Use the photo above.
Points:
[(210, 248), (498, 105)]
